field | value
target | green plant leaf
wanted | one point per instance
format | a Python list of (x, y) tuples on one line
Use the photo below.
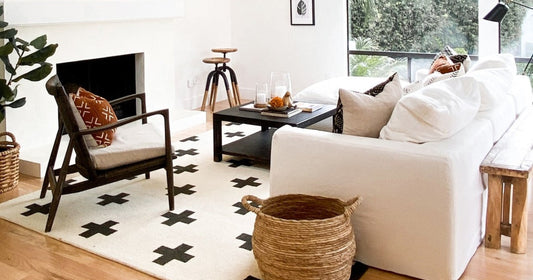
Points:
[(17, 103), (36, 74), (7, 63), (38, 56), (6, 92), (9, 33), (39, 42), (5, 50), (3, 24)]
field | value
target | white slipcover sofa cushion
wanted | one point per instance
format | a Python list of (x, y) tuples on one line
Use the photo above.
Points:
[(130, 144), (435, 112)]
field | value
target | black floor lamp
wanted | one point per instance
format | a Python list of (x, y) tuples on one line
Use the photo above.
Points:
[(497, 14)]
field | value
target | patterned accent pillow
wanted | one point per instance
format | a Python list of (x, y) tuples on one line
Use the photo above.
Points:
[(439, 62), (449, 68), (95, 111), (338, 118), (433, 78)]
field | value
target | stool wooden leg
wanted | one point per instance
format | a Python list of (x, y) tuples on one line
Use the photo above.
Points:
[(214, 90), (235, 86), (206, 93), (519, 216), (228, 91), (494, 213)]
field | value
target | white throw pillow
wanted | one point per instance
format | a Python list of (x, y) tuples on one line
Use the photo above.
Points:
[(503, 60), (435, 112), (365, 115), (494, 84)]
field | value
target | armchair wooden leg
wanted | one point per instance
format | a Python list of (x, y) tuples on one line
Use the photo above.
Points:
[(57, 186), (147, 175), (52, 159), (170, 187)]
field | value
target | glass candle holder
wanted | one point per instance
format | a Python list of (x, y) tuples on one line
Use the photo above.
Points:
[(280, 84), (261, 95)]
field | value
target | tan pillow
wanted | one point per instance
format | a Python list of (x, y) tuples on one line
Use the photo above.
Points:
[(95, 111), (365, 115)]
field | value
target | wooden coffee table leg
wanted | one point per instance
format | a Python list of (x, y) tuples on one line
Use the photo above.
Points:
[(217, 139), (494, 213), (519, 216)]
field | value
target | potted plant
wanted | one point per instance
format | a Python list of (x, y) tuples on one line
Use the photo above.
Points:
[(30, 64)]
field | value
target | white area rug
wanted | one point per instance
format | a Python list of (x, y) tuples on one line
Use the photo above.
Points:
[(207, 236)]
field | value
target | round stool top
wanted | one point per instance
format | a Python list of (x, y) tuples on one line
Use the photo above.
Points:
[(224, 50), (216, 60)]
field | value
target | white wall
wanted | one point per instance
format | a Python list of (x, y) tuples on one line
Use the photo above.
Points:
[(488, 30), (267, 42), (206, 25)]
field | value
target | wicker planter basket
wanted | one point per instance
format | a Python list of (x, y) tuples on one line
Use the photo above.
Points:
[(9, 163), (303, 237)]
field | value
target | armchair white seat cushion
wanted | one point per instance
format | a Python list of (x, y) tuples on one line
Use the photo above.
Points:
[(130, 144)]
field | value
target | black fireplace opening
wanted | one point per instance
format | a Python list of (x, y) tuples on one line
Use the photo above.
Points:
[(109, 77)]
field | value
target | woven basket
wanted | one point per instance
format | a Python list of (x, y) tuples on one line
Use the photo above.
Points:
[(303, 237), (9, 163)]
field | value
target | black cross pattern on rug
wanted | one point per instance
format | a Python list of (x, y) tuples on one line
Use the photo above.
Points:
[(250, 277), (240, 183), (234, 134), (94, 228), (192, 139), (189, 168), (168, 254), (236, 163), (182, 217), (243, 210), (247, 241), (187, 189), (191, 152), (36, 208), (118, 199), (233, 123)]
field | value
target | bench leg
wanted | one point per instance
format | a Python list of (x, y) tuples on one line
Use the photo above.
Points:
[(519, 216), (494, 213)]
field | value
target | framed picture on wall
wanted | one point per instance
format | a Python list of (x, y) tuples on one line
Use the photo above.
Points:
[(302, 12)]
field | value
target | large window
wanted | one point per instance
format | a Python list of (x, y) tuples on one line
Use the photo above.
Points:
[(412, 31), (404, 35), (517, 33)]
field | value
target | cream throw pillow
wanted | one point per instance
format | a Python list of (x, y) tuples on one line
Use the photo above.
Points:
[(365, 115), (435, 112)]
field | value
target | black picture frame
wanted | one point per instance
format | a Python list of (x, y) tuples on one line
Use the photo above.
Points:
[(302, 12)]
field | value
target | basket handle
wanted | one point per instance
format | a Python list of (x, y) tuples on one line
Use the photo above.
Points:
[(351, 204), (10, 135), (247, 205)]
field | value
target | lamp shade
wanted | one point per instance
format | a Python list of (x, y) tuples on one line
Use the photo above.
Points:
[(497, 13)]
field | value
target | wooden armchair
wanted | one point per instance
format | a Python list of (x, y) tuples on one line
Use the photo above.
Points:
[(100, 167)]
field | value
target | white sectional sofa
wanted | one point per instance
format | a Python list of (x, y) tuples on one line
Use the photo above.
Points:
[(424, 204)]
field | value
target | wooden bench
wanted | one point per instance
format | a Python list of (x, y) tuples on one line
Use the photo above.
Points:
[(508, 166)]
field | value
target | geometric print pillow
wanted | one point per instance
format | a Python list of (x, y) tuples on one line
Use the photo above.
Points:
[(95, 111)]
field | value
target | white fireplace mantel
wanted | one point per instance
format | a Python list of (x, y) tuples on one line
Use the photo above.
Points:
[(36, 12)]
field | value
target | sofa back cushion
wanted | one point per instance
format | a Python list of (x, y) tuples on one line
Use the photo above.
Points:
[(435, 112)]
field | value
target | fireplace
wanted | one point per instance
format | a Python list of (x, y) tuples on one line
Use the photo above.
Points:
[(109, 77)]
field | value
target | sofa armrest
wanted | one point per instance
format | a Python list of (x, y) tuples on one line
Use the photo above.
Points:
[(416, 198)]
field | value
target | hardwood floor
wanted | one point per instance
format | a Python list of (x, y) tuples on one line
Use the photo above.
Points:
[(25, 254)]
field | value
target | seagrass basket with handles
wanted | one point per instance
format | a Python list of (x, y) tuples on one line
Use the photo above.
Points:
[(9, 162), (300, 236)]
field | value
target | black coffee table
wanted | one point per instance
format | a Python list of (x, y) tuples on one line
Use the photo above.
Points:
[(257, 146)]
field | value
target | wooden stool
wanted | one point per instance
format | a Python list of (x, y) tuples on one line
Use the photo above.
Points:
[(508, 165), (212, 81), (233, 77)]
